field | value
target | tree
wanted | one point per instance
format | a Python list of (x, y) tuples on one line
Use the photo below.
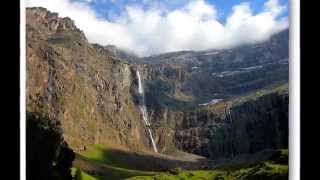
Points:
[(48, 155)]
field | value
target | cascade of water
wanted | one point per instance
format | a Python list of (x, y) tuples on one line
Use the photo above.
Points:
[(152, 140), (143, 109), (140, 88)]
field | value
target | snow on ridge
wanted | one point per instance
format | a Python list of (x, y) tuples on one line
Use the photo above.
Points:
[(213, 101), (211, 53), (252, 67)]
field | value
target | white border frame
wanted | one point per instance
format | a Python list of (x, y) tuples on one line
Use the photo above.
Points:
[(22, 90), (294, 92)]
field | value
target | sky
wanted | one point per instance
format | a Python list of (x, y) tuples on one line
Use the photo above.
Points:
[(147, 27)]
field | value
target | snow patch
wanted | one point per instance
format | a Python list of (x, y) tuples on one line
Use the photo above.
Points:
[(211, 53), (213, 101)]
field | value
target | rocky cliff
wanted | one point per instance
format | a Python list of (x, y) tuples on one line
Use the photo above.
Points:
[(244, 128), (88, 92)]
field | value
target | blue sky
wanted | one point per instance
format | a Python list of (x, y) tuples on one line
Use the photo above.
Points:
[(148, 27), (225, 6), (108, 8)]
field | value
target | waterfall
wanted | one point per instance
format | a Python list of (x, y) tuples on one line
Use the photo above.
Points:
[(152, 140), (143, 110)]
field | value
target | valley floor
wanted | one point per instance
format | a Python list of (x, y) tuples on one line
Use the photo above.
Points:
[(101, 163)]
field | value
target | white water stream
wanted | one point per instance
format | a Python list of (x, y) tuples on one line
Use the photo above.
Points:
[(143, 110)]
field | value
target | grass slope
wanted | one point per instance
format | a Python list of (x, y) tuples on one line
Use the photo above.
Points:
[(276, 168), (261, 171), (100, 163), (77, 174)]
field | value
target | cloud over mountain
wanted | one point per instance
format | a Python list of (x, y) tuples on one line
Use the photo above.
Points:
[(152, 30)]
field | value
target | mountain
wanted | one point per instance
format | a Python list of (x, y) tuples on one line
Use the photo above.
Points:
[(243, 55), (196, 108), (87, 91), (192, 96), (228, 72)]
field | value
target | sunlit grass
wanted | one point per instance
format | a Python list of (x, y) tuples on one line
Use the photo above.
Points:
[(99, 155)]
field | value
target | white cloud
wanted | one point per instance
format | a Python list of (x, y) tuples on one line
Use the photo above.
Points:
[(155, 30)]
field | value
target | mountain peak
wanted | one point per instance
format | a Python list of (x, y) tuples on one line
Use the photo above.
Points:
[(49, 22)]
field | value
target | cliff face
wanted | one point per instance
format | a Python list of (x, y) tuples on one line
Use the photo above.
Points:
[(225, 129), (87, 91), (245, 128)]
